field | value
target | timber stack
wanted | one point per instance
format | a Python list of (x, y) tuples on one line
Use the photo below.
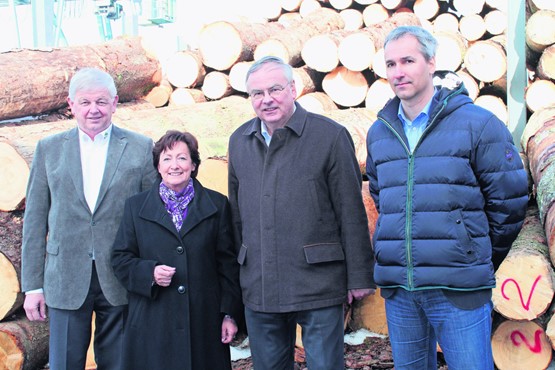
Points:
[(336, 49)]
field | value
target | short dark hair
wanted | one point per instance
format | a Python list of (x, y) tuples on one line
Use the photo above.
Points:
[(170, 138)]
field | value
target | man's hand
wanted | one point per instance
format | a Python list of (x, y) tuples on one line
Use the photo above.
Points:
[(35, 306), (229, 329), (358, 294)]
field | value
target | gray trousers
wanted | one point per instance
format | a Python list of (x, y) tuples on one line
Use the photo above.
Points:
[(70, 333), (272, 338)]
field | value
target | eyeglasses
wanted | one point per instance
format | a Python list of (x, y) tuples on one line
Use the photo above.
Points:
[(274, 92)]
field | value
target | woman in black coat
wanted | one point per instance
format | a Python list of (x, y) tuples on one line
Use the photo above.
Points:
[(174, 254)]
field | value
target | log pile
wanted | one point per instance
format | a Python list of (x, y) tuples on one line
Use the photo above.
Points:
[(337, 53)]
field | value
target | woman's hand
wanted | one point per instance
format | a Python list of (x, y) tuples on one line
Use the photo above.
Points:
[(229, 329), (163, 275)]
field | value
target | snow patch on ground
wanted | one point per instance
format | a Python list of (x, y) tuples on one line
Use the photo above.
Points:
[(357, 337)]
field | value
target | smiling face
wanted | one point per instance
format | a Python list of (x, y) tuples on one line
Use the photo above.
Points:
[(275, 109), (175, 166), (409, 74), (93, 110)]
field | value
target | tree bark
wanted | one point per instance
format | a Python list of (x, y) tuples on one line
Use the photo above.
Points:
[(135, 73), (538, 142)]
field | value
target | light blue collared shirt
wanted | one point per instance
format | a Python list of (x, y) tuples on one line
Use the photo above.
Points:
[(414, 129), (265, 134)]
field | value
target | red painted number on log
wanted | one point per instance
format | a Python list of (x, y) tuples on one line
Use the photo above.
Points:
[(527, 304), (537, 348)]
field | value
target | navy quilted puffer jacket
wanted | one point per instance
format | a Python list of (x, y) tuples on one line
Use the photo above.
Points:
[(450, 210)]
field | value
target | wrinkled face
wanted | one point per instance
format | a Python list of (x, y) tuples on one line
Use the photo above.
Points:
[(93, 110), (175, 166), (272, 96), (408, 72)]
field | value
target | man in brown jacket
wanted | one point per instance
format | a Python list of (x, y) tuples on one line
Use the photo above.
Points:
[(300, 222)]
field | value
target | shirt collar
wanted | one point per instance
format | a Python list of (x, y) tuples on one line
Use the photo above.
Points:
[(264, 129), (101, 137), (425, 111)]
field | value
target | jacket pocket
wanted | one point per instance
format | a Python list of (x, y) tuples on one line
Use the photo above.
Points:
[(466, 242), (242, 255), (326, 252)]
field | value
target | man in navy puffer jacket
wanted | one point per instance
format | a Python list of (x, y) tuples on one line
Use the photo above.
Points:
[(451, 193)]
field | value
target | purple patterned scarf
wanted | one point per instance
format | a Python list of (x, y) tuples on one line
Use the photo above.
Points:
[(176, 203)]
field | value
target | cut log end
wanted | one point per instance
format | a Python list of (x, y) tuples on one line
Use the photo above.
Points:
[(14, 175), (11, 356), (11, 297), (520, 345)]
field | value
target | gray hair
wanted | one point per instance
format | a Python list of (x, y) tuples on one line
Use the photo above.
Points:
[(91, 78), (287, 69), (428, 43)]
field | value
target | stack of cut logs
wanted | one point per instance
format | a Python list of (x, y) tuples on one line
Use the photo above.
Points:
[(336, 49)]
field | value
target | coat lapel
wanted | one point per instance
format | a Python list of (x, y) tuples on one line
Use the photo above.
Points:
[(116, 146), (153, 210), (71, 153), (200, 208)]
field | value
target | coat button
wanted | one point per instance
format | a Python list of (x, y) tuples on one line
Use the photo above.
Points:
[(458, 222), (181, 289), (179, 249)]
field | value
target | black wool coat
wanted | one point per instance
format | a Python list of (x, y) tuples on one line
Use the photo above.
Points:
[(179, 326)]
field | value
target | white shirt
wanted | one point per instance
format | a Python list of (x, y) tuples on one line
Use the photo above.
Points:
[(93, 162)]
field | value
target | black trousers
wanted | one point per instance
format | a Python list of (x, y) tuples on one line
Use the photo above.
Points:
[(70, 332)]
